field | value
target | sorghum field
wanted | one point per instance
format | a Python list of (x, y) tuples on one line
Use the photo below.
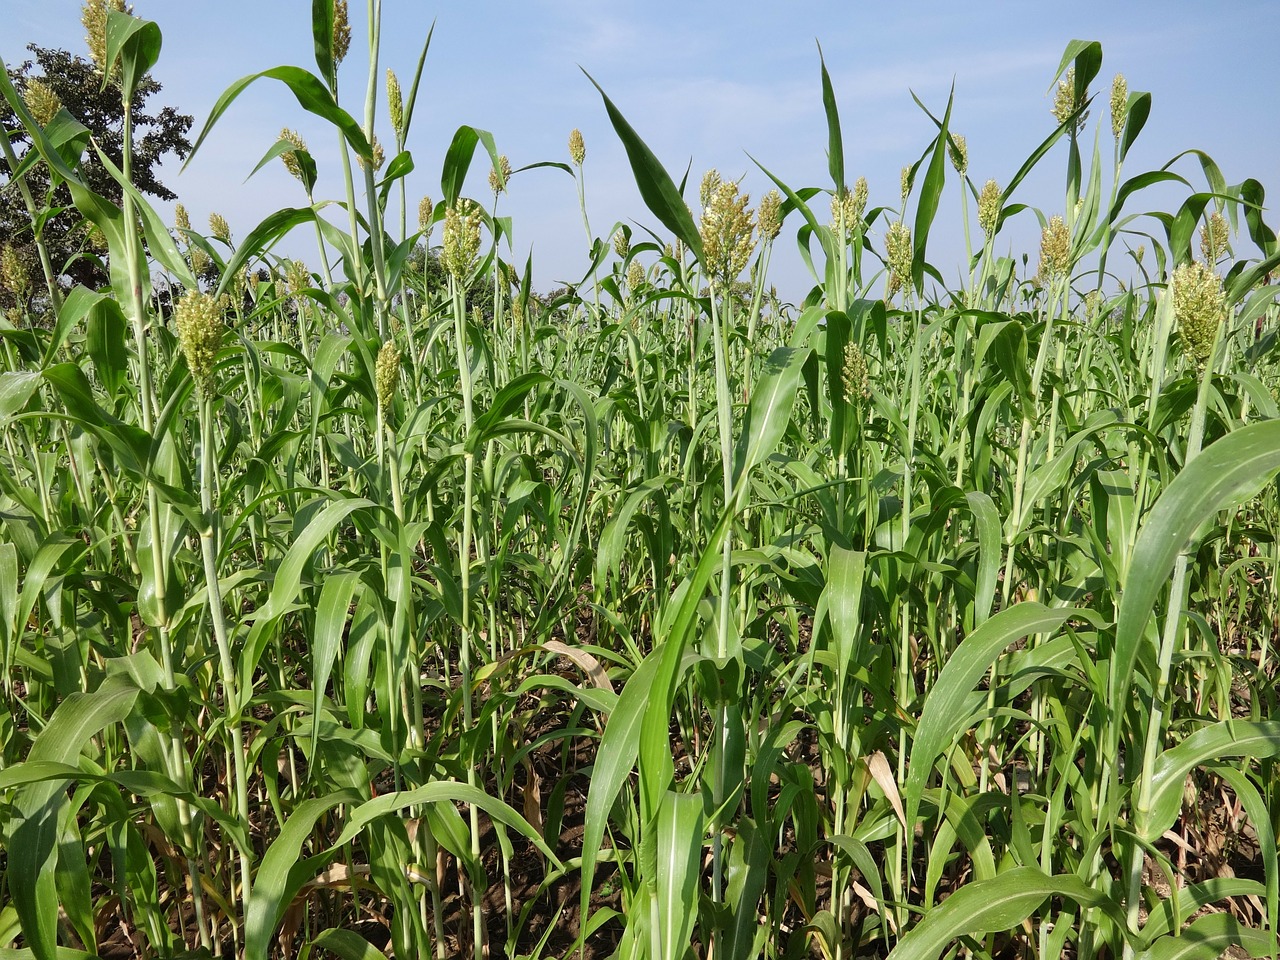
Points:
[(393, 608)]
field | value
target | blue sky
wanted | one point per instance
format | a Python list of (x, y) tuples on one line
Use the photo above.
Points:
[(707, 83)]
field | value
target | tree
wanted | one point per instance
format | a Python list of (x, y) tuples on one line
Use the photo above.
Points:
[(78, 86)]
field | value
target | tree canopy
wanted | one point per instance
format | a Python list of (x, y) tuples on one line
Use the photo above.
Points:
[(77, 84)]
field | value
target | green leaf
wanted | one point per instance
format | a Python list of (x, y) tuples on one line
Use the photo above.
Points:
[(1209, 938), (283, 871), (288, 578), (944, 714), (1137, 110), (772, 399), (746, 878), (312, 95), (619, 746), (656, 187), (990, 906), (322, 35), (347, 944), (679, 839), (1227, 738), (261, 238), (32, 848), (136, 42), (1226, 469), (331, 622), (930, 196), (412, 97), (16, 388), (835, 141)]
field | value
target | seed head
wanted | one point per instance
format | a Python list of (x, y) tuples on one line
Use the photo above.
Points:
[(898, 253), (1140, 252), (989, 208), (577, 149), (387, 374), (1199, 307), (93, 17), (958, 150), (341, 31), (198, 317), (395, 104), (1119, 104), (727, 230), (853, 373), (379, 156), (200, 261), (218, 227), (905, 180), (769, 216), (297, 277), (180, 218), (1055, 250), (1214, 234), (635, 275), (41, 101), (621, 244), (499, 174), (846, 209), (1064, 102), (13, 273), (425, 209), (290, 159), (461, 240), (707, 189)]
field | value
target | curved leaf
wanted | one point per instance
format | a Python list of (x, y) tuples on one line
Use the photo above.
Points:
[(1227, 738), (989, 906), (1224, 470)]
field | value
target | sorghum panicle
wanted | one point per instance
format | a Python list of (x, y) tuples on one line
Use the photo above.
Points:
[(499, 174), (379, 156), (341, 31), (898, 253), (853, 373), (395, 104), (905, 181), (1119, 104), (958, 150), (1199, 307), (198, 317), (769, 216), (41, 101), (180, 218), (635, 275), (13, 274), (1214, 234), (461, 239), (727, 230), (218, 227), (297, 277), (1055, 250), (860, 193), (387, 374), (621, 244), (577, 149), (707, 189), (1064, 101), (290, 159), (989, 208), (425, 210), (93, 16)]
